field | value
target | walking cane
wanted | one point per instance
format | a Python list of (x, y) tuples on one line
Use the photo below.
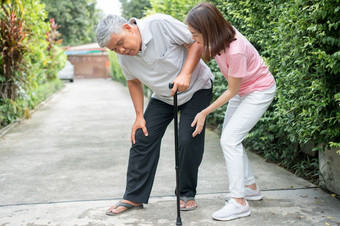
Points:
[(179, 221)]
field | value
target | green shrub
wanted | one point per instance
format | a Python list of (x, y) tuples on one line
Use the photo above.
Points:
[(307, 71), (44, 91), (32, 62)]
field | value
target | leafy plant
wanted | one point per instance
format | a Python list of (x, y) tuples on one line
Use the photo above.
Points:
[(56, 60), (25, 61), (12, 50)]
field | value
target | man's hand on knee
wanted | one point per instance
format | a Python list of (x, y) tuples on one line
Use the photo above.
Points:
[(138, 124)]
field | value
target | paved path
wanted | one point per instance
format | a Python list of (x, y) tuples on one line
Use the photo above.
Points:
[(67, 165)]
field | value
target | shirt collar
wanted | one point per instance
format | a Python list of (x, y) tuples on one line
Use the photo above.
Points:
[(145, 33)]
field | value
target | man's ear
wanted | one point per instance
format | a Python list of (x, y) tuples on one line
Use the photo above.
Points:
[(127, 27)]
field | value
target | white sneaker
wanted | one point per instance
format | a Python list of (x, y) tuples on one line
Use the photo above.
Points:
[(249, 194), (232, 210)]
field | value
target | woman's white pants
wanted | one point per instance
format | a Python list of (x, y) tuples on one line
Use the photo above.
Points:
[(242, 114)]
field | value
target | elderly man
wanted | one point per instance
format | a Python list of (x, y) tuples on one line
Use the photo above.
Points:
[(152, 52)]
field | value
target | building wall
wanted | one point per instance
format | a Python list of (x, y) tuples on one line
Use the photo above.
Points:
[(90, 66)]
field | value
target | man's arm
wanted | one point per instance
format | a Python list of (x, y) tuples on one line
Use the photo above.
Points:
[(137, 96), (182, 81)]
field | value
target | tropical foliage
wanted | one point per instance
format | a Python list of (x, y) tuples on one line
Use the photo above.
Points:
[(29, 58)]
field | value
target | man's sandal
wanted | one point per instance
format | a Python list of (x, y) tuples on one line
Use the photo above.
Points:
[(127, 205), (185, 200)]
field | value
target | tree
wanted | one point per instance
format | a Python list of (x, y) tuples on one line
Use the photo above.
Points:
[(175, 8), (133, 8), (77, 19)]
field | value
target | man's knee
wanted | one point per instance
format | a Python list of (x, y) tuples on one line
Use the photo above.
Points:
[(189, 142), (185, 141), (142, 140)]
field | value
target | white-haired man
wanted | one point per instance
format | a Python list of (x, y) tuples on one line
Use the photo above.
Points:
[(151, 52)]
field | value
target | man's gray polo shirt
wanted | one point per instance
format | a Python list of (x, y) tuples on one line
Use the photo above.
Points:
[(162, 57)]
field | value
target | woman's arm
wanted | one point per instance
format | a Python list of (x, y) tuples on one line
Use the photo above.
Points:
[(233, 88)]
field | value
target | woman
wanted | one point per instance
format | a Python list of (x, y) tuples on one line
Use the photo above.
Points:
[(251, 89)]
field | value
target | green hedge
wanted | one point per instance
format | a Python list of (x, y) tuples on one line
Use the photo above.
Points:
[(300, 41)]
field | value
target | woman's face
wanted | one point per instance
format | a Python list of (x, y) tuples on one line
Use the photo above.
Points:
[(196, 35)]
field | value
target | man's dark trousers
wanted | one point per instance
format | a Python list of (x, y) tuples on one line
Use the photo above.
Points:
[(144, 154)]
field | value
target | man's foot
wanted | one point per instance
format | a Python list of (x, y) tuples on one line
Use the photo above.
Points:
[(232, 210), (123, 206), (187, 203)]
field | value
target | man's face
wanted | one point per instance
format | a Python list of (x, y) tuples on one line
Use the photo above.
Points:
[(127, 42)]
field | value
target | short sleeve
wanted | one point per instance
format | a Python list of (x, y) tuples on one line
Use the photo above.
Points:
[(176, 30), (237, 66)]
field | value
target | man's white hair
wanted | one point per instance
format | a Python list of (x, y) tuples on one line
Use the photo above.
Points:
[(111, 24)]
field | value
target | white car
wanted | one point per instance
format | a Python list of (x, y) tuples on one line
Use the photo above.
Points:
[(67, 73)]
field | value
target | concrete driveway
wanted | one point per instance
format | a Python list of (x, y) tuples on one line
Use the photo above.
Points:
[(67, 164)]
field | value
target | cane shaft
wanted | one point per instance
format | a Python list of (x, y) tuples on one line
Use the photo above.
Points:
[(179, 221)]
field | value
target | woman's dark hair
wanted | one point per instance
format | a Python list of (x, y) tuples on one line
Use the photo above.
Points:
[(216, 31)]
